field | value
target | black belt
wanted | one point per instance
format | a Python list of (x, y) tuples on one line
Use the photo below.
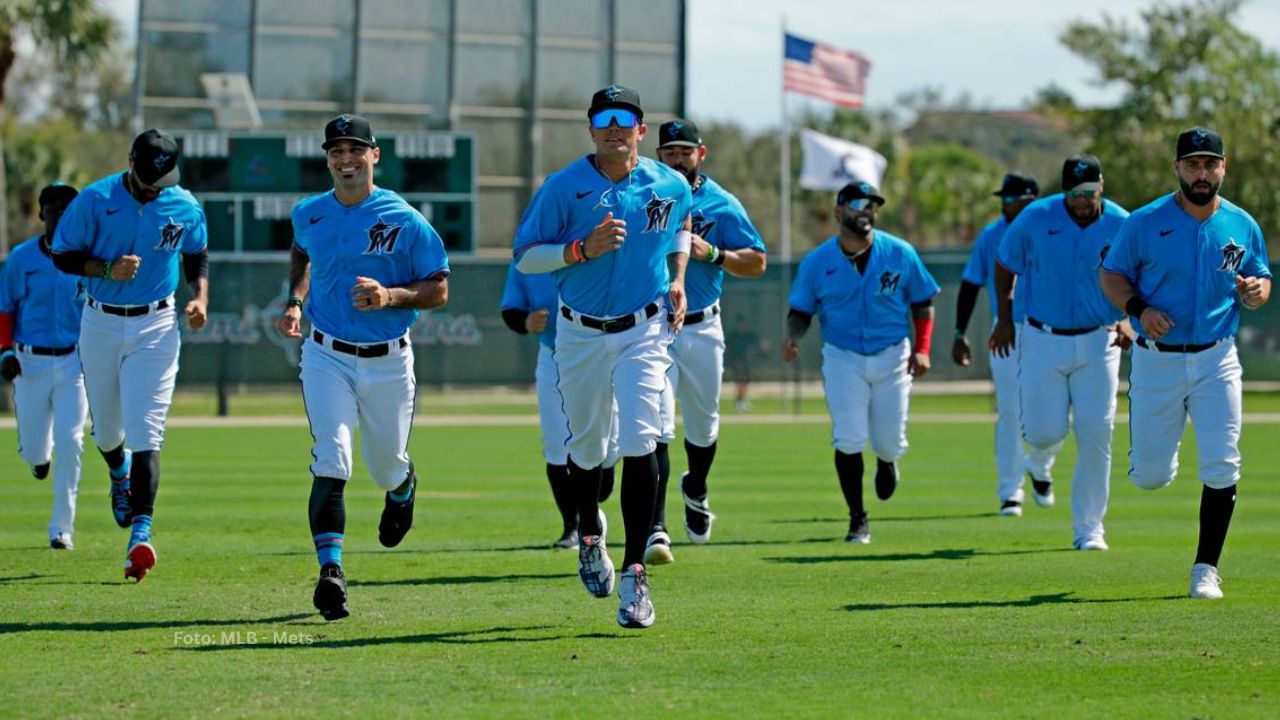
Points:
[(697, 317), (51, 352), (1165, 347), (128, 310), (610, 325), (363, 351), (1060, 331)]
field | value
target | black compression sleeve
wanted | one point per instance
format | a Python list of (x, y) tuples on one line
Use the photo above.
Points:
[(922, 304), (195, 265), (965, 303), (515, 320), (71, 262)]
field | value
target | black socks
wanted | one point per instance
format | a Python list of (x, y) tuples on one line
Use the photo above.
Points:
[(639, 496), (849, 469), (1216, 507)]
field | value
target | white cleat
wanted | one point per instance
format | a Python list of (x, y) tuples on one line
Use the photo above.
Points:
[(1092, 543), (635, 607), (1205, 582), (657, 551), (1011, 508), (1042, 492), (698, 517)]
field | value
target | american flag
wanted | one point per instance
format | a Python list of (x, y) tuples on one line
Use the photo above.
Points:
[(825, 72)]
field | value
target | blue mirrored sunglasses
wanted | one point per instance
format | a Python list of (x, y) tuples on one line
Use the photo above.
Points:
[(622, 118), (1011, 199), (860, 204), (1079, 193)]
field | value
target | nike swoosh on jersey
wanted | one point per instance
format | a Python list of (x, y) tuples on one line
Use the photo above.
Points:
[(583, 194), (112, 211), (830, 271), (1166, 232), (315, 220), (1054, 232)]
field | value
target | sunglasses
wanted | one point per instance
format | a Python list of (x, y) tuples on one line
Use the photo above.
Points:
[(1011, 199), (860, 204), (1071, 194), (621, 118)]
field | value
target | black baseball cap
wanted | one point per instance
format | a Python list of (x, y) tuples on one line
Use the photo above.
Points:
[(616, 96), (679, 133), (1081, 172), (858, 191), (1200, 141), (57, 191), (348, 127), (1018, 185), (155, 158)]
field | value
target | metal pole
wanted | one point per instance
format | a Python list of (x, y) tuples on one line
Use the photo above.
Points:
[(784, 213)]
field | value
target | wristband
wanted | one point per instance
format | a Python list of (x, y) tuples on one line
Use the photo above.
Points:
[(106, 270), (712, 252), (720, 256), (684, 239), (293, 301), (1135, 306), (578, 252), (924, 334), (8, 352), (960, 334)]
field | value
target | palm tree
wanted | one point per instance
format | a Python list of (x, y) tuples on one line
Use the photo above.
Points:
[(74, 32)]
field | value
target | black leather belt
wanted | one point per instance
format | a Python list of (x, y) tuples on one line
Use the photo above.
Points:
[(1165, 347), (610, 325), (1060, 331), (697, 317), (128, 310), (376, 350), (51, 352)]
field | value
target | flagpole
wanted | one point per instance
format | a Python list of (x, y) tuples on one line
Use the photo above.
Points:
[(784, 210)]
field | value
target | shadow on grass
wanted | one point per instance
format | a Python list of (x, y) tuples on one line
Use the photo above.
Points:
[(461, 580), (879, 519), (19, 578), (945, 554), (501, 634), (127, 625), (1062, 598)]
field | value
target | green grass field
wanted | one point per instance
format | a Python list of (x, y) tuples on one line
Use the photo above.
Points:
[(952, 611)]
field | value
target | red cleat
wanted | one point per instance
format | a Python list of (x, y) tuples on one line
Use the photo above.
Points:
[(141, 558)]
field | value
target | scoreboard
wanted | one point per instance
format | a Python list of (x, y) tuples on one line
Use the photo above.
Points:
[(249, 182)]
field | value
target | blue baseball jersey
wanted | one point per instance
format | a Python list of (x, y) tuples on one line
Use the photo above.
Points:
[(654, 200), (530, 293), (721, 220), (1057, 263), (863, 312), (106, 222), (45, 302), (1187, 269), (981, 268), (383, 238)]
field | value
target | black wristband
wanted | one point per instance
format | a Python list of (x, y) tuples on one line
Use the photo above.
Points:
[(720, 256), (1135, 306)]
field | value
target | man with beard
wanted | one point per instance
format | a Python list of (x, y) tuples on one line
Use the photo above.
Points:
[(862, 283), (724, 240), (1182, 266), (1069, 359), (1015, 193)]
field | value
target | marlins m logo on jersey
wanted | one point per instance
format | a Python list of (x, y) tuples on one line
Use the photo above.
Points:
[(658, 213), (889, 282), (382, 238), (1232, 256), (171, 236), (702, 225)]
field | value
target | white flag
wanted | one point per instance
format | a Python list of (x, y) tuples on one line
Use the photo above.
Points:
[(831, 163)]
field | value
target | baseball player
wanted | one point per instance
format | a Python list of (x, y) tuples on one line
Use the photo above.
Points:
[(1069, 354), (1182, 266), (862, 284), (375, 262), (1012, 460), (724, 240), (612, 228), (40, 309), (528, 302), (125, 233)]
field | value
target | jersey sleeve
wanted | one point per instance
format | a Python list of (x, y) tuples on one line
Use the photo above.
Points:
[(1012, 252), (920, 283), (427, 256), (299, 235), (1125, 254), (804, 294), (977, 270), (197, 240), (1256, 263), (76, 227), (544, 221), (10, 285), (738, 232), (515, 295)]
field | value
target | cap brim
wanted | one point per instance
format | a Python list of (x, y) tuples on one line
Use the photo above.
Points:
[(169, 179), (591, 112), (1085, 186), (327, 143), (1019, 196), (1202, 153), (680, 143)]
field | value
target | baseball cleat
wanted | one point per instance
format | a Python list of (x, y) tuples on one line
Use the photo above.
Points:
[(886, 479), (139, 561), (331, 593), (859, 530), (40, 471), (1042, 491), (635, 607), (62, 541), (568, 540), (698, 517), (1205, 581), (657, 551), (594, 566), (1092, 543), (397, 517), (1012, 508), (120, 508)]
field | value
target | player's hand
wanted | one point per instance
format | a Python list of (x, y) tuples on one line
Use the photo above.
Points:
[(1155, 323), (698, 249), (536, 321), (9, 366), (960, 354), (369, 294), (679, 304), (1124, 335), (1250, 291), (125, 268), (290, 323), (1002, 339), (197, 314), (606, 237), (918, 364), (790, 349)]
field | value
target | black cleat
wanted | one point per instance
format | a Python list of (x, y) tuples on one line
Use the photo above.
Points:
[(121, 509), (331, 593), (1041, 491), (568, 540), (886, 479), (859, 530), (397, 517), (40, 471), (698, 517)]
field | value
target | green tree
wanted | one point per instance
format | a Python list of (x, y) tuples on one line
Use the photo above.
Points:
[(74, 32), (951, 194), (1185, 65)]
